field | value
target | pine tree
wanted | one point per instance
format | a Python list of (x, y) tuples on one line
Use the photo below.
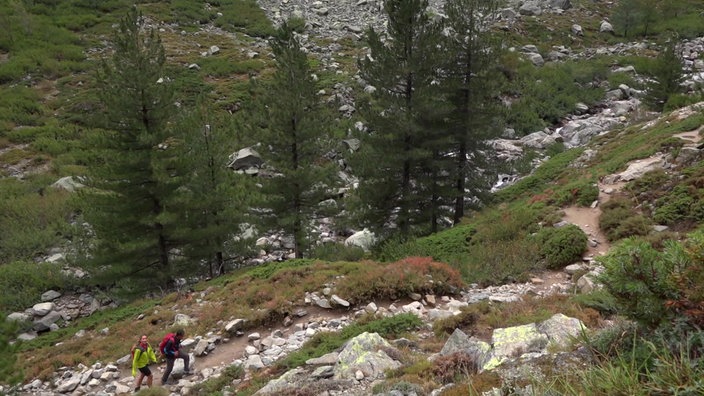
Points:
[(667, 76), (394, 154), (129, 186), (627, 16), (294, 133), (212, 199), (472, 85)]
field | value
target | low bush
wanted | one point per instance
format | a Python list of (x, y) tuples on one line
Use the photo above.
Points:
[(582, 192), (683, 203), (410, 275), (498, 262), (24, 282), (561, 246), (454, 367), (337, 252), (653, 287), (463, 321), (619, 220), (443, 246), (221, 382), (33, 220)]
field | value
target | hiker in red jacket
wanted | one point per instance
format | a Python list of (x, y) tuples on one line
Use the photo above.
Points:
[(172, 351)]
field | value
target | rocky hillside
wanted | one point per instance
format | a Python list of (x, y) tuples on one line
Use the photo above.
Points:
[(271, 330)]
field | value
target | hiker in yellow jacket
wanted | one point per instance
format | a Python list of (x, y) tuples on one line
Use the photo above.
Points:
[(143, 355)]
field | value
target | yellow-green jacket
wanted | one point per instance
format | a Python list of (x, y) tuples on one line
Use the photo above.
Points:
[(142, 357)]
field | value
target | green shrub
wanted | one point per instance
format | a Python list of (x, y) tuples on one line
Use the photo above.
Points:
[(499, 262), (337, 252), (187, 12), (682, 203), (541, 178), (267, 270), (221, 382), (582, 192), (464, 320), (444, 246), (23, 283), (245, 15), (641, 280), (562, 246), (20, 105), (548, 93), (32, 221), (619, 220), (223, 67), (298, 24), (598, 300), (647, 183)]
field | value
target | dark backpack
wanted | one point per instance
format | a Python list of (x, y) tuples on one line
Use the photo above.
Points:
[(162, 344), (134, 348)]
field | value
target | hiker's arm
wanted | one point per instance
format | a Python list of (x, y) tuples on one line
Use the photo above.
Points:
[(134, 361)]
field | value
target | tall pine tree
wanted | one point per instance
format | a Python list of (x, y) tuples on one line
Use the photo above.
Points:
[(471, 84), (212, 199), (128, 185), (392, 158), (294, 133), (667, 76)]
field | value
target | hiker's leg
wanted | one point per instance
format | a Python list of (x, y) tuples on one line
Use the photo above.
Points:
[(149, 380), (186, 361), (169, 367), (138, 381)]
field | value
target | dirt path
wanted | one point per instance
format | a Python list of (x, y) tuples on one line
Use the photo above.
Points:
[(587, 219), (225, 353)]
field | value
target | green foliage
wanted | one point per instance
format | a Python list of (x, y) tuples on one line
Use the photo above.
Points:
[(598, 300), (245, 16), (499, 262), (409, 275), (561, 246), (221, 382), (223, 67), (298, 24), (619, 220), (464, 320), (548, 93), (34, 218), (444, 246), (24, 282), (667, 74), (545, 174), (635, 363), (337, 252), (651, 17), (266, 271), (8, 352), (19, 106), (642, 279), (679, 100), (186, 12), (582, 192), (291, 124), (682, 203), (131, 174)]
